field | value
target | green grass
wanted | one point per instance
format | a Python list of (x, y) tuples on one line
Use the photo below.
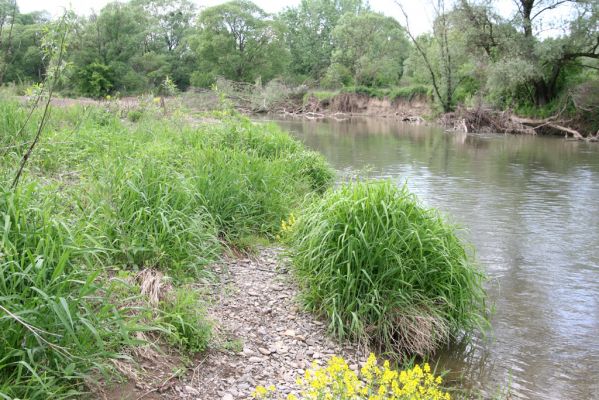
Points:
[(393, 93), (384, 269), (182, 318), (55, 322), (102, 196)]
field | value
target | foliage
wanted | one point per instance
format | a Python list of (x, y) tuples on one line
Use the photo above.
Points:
[(95, 80), (182, 316), (148, 220), (238, 41), (101, 195), (56, 323), (383, 268), (309, 34), (338, 381), (371, 47)]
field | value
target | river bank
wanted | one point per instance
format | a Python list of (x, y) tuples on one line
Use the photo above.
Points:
[(261, 337)]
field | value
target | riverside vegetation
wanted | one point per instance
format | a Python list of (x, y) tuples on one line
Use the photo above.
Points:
[(103, 201), (539, 59), (109, 207)]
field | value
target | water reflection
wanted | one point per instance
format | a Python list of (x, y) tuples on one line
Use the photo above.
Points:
[(529, 206)]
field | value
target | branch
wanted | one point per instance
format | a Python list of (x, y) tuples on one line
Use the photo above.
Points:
[(45, 115), (421, 51), (551, 7)]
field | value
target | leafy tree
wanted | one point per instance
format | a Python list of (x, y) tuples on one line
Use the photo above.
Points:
[(524, 63), (24, 57), (371, 47), (239, 41), (169, 24), (95, 80), (309, 33), (111, 39), (8, 14)]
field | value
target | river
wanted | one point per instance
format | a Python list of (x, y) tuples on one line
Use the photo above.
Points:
[(530, 207)]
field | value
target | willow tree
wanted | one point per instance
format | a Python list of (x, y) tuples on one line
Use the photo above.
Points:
[(528, 58), (309, 33), (239, 41), (371, 47)]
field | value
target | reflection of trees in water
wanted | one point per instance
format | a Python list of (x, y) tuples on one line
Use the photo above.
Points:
[(385, 142)]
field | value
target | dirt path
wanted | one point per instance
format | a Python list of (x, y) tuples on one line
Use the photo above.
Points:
[(262, 335)]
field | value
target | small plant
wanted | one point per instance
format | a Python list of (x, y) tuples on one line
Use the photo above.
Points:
[(134, 115), (183, 320), (235, 345), (337, 381), (384, 269)]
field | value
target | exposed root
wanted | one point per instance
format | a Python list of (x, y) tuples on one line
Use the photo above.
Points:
[(483, 120)]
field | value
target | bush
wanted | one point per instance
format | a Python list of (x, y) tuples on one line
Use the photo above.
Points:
[(383, 268)]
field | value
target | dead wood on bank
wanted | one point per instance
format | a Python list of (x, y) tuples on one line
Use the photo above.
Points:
[(484, 120)]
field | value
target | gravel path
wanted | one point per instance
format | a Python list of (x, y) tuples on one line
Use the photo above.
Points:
[(262, 335)]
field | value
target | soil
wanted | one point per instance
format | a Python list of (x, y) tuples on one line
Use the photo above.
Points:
[(261, 337)]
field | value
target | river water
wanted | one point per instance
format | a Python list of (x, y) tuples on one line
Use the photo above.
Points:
[(530, 207)]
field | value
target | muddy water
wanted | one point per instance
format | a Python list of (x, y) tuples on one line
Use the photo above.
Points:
[(530, 206)]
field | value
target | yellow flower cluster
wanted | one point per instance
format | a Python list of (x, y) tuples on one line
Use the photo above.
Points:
[(287, 226), (337, 381)]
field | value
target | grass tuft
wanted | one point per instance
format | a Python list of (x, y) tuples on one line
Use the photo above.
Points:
[(383, 268)]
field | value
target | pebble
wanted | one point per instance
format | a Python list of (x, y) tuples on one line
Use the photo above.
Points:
[(280, 340)]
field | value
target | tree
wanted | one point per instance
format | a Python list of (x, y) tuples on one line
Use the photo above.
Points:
[(309, 33), (23, 54), (239, 41), (111, 39), (8, 14), (541, 63), (371, 47), (439, 57), (169, 24)]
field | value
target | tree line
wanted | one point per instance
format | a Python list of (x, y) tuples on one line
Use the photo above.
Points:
[(473, 53)]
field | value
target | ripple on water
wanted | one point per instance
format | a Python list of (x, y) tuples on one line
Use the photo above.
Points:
[(529, 206)]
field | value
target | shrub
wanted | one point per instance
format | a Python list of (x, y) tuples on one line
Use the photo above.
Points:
[(134, 115), (338, 381), (383, 268)]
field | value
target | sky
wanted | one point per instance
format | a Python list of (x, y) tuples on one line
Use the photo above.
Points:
[(418, 12)]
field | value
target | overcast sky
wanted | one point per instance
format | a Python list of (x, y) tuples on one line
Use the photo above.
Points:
[(419, 12)]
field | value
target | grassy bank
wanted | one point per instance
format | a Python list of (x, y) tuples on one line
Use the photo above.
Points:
[(107, 209)]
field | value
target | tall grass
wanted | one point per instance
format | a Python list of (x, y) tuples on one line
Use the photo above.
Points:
[(54, 324), (383, 268), (147, 219), (102, 196)]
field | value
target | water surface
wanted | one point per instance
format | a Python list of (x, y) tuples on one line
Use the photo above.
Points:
[(530, 206)]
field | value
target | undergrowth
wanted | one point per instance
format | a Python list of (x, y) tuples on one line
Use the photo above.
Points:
[(384, 269), (102, 196)]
